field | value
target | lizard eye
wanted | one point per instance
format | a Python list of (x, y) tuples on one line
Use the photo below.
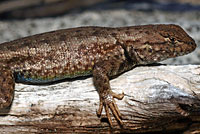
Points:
[(172, 39)]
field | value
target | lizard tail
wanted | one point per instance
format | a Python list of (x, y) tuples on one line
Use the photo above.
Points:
[(7, 85)]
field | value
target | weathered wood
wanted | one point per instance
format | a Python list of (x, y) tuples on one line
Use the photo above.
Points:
[(152, 102), (41, 8), (192, 2)]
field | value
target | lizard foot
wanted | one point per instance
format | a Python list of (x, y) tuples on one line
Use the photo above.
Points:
[(108, 102)]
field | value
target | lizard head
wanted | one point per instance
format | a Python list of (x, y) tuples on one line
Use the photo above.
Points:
[(154, 43)]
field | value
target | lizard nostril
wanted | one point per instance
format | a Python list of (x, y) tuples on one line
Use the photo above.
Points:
[(190, 43)]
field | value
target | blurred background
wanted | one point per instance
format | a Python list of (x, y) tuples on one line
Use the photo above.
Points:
[(20, 18)]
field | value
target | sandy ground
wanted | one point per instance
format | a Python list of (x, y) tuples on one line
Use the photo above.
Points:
[(189, 20)]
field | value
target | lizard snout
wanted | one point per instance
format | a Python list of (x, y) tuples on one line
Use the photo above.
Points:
[(191, 46)]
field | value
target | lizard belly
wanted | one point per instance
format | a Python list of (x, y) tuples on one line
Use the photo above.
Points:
[(26, 77)]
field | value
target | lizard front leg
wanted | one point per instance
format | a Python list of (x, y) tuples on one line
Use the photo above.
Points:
[(7, 85), (101, 73)]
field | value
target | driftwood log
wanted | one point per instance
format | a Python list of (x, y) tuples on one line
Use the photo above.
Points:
[(157, 98), (42, 8)]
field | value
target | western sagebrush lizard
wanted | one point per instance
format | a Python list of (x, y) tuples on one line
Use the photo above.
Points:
[(98, 51)]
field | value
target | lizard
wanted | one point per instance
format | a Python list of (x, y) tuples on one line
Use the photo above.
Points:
[(102, 52)]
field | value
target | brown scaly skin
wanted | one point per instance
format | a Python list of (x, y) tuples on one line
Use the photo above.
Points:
[(7, 85), (100, 51)]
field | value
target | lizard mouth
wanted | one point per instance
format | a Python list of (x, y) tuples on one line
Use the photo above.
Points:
[(193, 45), (188, 47)]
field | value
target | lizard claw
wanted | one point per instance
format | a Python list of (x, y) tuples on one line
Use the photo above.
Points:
[(108, 102)]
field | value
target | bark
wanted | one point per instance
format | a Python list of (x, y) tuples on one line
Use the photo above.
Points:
[(157, 98)]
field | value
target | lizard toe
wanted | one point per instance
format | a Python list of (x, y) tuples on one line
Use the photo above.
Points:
[(117, 96), (115, 112), (99, 111), (109, 104)]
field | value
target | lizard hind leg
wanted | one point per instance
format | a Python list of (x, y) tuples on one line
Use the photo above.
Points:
[(7, 85)]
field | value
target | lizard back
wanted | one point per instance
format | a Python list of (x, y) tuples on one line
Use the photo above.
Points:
[(57, 55)]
